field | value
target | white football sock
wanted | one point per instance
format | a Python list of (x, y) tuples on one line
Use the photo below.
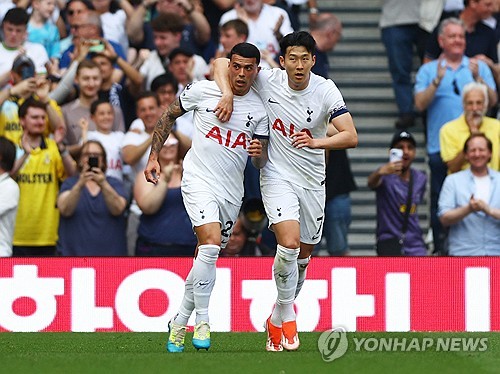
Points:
[(302, 268), (285, 276), (187, 305), (204, 271)]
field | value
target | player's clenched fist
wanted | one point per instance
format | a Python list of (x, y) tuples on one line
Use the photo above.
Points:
[(152, 171), (255, 148)]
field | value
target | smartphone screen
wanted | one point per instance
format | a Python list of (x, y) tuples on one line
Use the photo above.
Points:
[(93, 162), (395, 154), (27, 71), (97, 46)]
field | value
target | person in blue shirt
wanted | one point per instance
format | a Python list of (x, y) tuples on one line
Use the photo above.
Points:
[(469, 203)]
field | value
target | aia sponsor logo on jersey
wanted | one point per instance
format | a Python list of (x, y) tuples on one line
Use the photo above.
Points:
[(280, 127), (228, 139)]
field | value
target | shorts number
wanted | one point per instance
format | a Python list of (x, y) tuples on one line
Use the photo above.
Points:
[(225, 232)]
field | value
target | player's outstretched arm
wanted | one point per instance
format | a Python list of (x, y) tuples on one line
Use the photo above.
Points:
[(162, 130), (224, 107), (258, 152)]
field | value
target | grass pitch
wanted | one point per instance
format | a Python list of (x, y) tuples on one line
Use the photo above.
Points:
[(238, 353)]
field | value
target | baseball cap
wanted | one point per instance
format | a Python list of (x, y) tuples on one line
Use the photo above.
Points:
[(20, 61), (170, 141), (402, 135)]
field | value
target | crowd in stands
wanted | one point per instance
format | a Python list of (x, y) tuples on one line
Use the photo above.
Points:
[(84, 82)]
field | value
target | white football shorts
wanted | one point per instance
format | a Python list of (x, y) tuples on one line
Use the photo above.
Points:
[(205, 206), (286, 201)]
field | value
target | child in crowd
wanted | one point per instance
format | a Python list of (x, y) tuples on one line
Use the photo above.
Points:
[(42, 30), (102, 113)]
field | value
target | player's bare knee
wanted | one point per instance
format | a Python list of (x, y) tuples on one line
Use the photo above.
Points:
[(290, 243)]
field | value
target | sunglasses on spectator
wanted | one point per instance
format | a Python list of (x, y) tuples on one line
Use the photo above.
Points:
[(456, 90), (72, 12), (77, 27)]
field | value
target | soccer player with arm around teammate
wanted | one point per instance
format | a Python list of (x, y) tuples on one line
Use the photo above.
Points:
[(212, 181), (301, 106)]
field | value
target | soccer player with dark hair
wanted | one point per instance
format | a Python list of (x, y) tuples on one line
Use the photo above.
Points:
[(212, 182), (301, 106)]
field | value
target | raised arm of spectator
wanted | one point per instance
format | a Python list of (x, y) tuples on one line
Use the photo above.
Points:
[(67, 201), (66, 85), (4, 78), (130, 72), (375, 178), (313, 11), (67, 160), (150, 197), (24, 88), (194, 11), (133, 153), (54, 114), (424, 98), (114, 202), (135, 23)]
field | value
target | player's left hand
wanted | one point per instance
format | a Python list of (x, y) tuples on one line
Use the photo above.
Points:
[(301, 140), (255, 148), (152, 171)]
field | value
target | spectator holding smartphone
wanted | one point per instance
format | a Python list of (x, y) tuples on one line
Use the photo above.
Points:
[(399, 186), (92, 208)]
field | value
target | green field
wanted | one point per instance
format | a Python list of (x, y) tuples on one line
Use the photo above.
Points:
[(238, 353)]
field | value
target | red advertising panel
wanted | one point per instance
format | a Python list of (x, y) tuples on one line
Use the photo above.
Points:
[(359, 294)]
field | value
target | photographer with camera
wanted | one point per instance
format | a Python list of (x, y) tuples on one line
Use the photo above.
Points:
[(92, 208), (399, 186)]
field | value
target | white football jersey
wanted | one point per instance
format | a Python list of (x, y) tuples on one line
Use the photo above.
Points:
[(218, 154), (291, 111)]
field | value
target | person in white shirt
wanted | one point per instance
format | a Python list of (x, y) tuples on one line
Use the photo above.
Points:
[(167, 32), (9, 198), (103, 114), (212, 182), (301, 106), (266, 25), (14, 29)]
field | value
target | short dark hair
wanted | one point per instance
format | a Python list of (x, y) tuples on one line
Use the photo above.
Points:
[(86, 64), (88, 4), (16, 16), (147, 94), (168, 22), (96, 103), (246, 50), (238, 25), (166, 79), (180, 51), (298, 39), (7, 154), (30, 103), (478, 135)]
